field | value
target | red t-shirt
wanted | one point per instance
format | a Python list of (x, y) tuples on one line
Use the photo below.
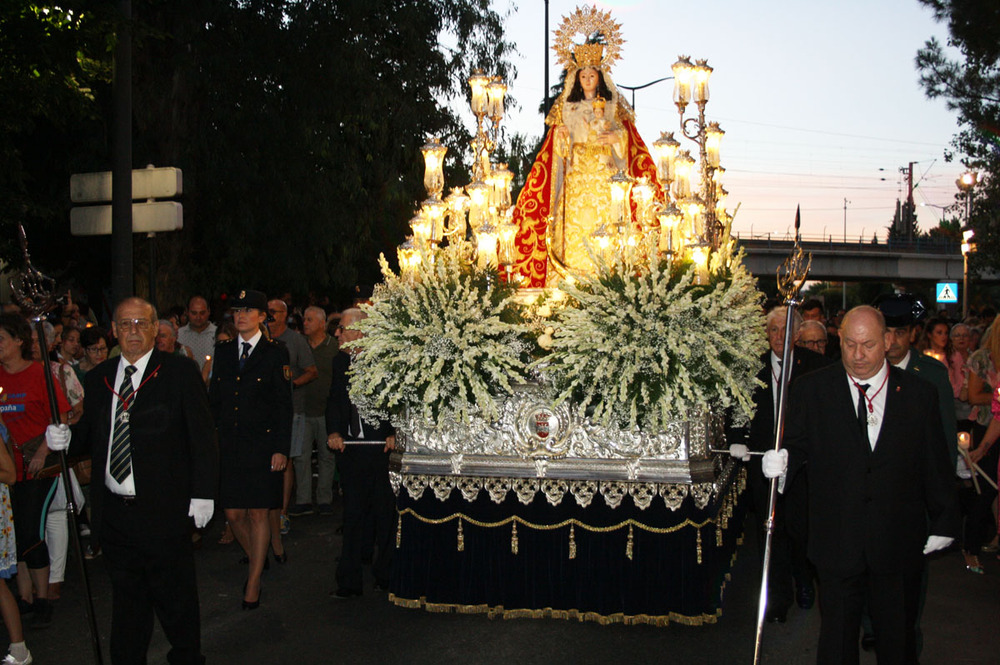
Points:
[(24, 404)]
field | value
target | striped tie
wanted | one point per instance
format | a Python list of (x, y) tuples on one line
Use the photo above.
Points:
[(121, 447), (245, 354)]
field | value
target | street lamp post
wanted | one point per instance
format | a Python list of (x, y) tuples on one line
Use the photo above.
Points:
[(966, 183)]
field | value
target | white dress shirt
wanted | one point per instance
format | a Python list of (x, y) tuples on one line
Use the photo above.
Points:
[(253, 343), (878, 388), (127, 486)]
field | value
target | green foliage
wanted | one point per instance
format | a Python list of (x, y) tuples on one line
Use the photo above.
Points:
[(297, 126), (970, 86)]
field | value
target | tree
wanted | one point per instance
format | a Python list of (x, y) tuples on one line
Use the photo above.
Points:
[(970, 85), (53, 62), (297, 126)]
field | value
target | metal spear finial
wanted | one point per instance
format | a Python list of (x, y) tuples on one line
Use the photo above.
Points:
[(32, 290)]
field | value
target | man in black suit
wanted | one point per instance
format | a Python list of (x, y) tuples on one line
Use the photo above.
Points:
[(788, 561), (147, 426), (364, 473), (879, 483)]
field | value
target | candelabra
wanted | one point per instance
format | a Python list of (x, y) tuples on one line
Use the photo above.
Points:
[(479, 214)]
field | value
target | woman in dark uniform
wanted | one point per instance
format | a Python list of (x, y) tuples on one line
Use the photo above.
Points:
[(251, 397)]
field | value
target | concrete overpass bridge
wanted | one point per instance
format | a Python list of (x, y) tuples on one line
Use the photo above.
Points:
[(921, 259)]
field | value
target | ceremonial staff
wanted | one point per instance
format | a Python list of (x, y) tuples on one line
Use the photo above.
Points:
[(796, 269), (35, 293)]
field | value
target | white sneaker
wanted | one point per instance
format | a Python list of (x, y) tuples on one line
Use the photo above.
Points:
[(10, 660)]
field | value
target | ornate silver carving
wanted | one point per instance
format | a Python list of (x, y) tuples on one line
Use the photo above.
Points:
[(498, 488), (442, 486), (583, 491), (613, 493), (554, 490), (525, 489), (673, 495), (541, 466), (531, 427), (456, 464), (702, 494), (415, 485), (642, 494), (470, 487), (395, 478)]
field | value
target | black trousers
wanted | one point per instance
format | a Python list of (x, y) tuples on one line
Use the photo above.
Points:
[(149, 576), (368, 500), (892, 599), (788, 542)]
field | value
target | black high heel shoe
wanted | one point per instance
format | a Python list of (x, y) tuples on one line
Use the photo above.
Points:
[(282, 558), (248, 605)]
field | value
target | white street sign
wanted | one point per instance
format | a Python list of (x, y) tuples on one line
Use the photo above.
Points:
[(149, 183), (155, 217)]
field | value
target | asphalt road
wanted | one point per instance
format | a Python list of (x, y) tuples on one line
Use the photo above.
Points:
[(298, 622)]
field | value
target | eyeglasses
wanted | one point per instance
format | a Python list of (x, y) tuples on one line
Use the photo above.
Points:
[(340, 328), (139, 324), (815, 344), (272, 312), (96, 349)]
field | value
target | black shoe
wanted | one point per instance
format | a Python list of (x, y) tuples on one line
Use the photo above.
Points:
[(282, 558), (24, 607), (43, 613), (381, 586), (776, 616), (867, 642), (343, 593), (247, 605), (805, 596)]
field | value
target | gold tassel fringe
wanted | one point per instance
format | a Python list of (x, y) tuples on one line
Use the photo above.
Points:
[(572, 542)]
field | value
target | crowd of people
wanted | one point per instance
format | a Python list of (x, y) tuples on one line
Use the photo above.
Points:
[(169, 419), (890, 455)]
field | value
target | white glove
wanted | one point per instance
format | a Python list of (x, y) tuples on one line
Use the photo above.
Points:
[(775, 463), (201, 510), (57, 437), (935, 543), (740, 452)]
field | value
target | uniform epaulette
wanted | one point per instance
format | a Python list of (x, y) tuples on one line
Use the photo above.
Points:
[(230, 342)]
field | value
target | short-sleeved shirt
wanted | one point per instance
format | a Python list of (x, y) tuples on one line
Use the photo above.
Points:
[(315, 393), (201, 343), (300, 356), (982, 364), (24, 403)]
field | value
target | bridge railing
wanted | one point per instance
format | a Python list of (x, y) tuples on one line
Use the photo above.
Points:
[(917, 246)]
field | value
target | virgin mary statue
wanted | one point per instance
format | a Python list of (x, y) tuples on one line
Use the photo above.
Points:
[(592, 136)]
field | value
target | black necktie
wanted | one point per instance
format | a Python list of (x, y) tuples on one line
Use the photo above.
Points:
[(863, 413), (120, 465), (355, 422), (245, 354)]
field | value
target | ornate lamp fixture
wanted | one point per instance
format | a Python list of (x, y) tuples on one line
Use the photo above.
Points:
[(702, 203)]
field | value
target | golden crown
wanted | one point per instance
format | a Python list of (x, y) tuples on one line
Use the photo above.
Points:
[(588, 55), (599, 102)]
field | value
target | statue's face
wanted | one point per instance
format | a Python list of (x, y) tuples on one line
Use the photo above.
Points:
[(588, 80)]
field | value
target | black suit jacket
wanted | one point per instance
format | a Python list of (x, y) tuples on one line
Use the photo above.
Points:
[(759, 435), (174, 451), (871, 509), (252, 406), (338, 406)]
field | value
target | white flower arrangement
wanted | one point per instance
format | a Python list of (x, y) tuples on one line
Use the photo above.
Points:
[(443, 343), (644, 344)]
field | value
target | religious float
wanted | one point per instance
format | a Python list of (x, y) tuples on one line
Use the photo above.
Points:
[(559, 370)]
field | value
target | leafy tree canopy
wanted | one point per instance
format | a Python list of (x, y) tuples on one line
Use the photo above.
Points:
[(969, 82), (297, 125)]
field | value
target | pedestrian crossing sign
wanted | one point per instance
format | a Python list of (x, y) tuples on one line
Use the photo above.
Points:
[(947, 292)]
